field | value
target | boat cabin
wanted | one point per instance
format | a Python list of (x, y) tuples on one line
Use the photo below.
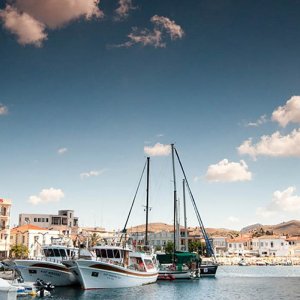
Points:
[(59, 253)]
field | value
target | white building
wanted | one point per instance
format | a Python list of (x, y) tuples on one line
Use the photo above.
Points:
[(219, 245), (270, 245), (161, 238), (65, 221), (238, 246), (5, 206), (33, 237)]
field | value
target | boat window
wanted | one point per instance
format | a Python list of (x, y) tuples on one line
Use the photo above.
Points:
[(110, 253), (56, 252), (148, 263), (98, 252), (116, 253), (68, 252), (62, 252), (103, 253), (48, 252), (95, 274)]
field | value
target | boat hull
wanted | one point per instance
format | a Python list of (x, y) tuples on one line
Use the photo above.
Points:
[(56, 273), (100, 275), (175, 275), (208, 270)]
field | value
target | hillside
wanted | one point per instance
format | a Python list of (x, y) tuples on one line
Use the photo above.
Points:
[(285, 228)]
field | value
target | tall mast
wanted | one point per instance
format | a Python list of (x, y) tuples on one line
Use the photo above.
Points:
[(185, 220), (175, 199), (147, 201)]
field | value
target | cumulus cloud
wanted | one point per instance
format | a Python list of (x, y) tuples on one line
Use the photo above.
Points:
[(225, 171), (28, 19), (122, 11), (163, 27), (62, 151), (157, 150), (289, 113), (91, 174), (47, 196), (3, 110), (261, 120), (285, 201), (274, 145), (27, 29)]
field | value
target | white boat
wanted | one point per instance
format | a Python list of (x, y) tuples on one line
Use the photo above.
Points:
[(7, 291), (49, 267), (114, 267)]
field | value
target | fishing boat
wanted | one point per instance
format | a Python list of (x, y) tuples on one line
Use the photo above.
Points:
[(114, 267), (49, 267), (117, 266)]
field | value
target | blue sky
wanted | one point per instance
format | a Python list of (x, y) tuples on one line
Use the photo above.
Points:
[(86, 86)]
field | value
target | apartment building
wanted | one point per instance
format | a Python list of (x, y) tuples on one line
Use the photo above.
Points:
[(64, 221), (5, 207)]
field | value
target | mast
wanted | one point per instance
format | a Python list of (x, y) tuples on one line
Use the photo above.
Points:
[(175, 199), (185, 220), (147, 201), (205, 235)]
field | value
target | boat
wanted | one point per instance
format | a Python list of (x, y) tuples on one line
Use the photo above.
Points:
[(201, 269), (243, 263), (114, 267), (117, 266), (49, 267), (7, 291)]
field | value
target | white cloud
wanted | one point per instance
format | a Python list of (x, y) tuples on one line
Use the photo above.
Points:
[(225, 171), (261, 120), (233, 219), (47, 196), (162, 27), (28, 19), (170, 26), (27, 29), (274, 145), (285, 201), (91, 174), (289, 113), (122, 11), (3, 110), (158, 150), (56, 13), (62, 151)]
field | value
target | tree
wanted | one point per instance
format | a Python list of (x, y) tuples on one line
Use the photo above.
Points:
[(94, 239), (196, 246), (169, 247), (19, 251)]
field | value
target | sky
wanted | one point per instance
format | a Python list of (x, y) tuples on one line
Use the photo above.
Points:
[(90, 88)]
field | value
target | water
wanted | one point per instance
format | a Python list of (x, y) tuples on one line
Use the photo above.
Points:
[(231, 282)]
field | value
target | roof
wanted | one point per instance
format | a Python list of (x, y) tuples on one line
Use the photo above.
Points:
[(27, 227), (238, 240), (271, 237)]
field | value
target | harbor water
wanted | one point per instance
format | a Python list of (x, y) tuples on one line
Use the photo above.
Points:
[(231, 282)]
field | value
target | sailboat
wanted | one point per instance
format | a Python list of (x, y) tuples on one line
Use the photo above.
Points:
[(193, 267)]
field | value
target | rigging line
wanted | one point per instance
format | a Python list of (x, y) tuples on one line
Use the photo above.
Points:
[(208, 244), (124, 229)]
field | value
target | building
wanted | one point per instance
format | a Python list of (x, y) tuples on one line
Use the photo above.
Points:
[(271, 245), (65, 221), (5, 206), (219, 245), (161, 238), (239, 246), (294, 245), (33, 237)]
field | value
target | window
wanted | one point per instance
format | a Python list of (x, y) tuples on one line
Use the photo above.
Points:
[(103, 253), (56, 252), (272, 244), (116, 253), (47, 220), (110, 253), (35, 220), (95, 274), (62, 252)]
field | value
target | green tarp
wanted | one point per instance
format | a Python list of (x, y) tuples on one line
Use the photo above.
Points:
[(180, 258)]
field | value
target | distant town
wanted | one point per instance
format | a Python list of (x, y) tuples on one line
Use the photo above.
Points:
[(36, 230)]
